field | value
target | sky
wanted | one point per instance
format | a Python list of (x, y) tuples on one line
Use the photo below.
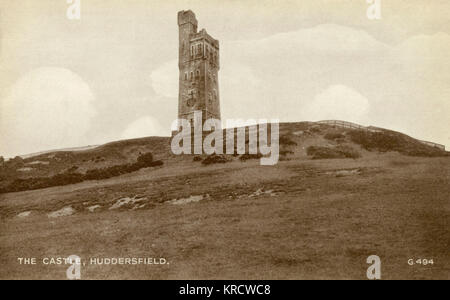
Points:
[(113, 73)]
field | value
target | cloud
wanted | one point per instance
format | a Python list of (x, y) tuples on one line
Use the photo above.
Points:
[(325, 39), (164, 79), (46, 108), (143, 127), (338, 102), (330, 38)]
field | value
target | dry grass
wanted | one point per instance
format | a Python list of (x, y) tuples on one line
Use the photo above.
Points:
[(305, 224)]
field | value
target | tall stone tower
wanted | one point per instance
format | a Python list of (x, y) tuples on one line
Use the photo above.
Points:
[(198, 63)]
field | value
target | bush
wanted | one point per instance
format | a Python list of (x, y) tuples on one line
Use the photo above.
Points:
[(348, 152), (215, 159), (246, 156), (286, 152), (393, 141), (287, 141), (380, 141), (334, 136), (72, 169), (156, 163), (318, 152), (197, 158), (70, 176), (145, 159)]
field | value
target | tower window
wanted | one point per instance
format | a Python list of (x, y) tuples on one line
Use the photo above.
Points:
[(198, 73), (185, 75), (192, 50), (192, 75)]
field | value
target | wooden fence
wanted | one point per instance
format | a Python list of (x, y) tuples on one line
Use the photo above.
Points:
[(344, 124)]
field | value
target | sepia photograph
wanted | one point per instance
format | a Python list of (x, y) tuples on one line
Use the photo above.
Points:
[(202, 142)]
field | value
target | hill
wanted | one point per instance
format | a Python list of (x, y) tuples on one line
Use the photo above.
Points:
[(305, 218), (297, 141)]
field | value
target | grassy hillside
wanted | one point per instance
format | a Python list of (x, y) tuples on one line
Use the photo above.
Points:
[(308, 217), (300, 219), (297, 141)]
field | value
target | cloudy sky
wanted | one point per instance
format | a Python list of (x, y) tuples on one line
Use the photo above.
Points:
[(113, 74)]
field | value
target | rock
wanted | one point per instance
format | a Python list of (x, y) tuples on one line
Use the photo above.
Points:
[(66, 211), (24, 214), (93, 207), (127, 200), (186, 200)]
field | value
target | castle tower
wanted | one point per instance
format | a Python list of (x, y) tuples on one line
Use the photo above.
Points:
[(198, 63)]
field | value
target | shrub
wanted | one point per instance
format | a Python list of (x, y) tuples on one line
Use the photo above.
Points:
[(72, 169), (157, 163), (286, 152), (315, 129), (318, 152), (215, 159), (197, 158), (380, 141), (348, 152), (287, 141), (15, 162), (246, 156), (70, 176), (145, 159), (334, 136), (392, 141)]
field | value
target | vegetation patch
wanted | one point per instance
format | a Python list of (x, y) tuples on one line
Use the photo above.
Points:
[(215, 159), (317, 152), (334, 136), (247, 156), (70, 176), (393, 141), (287, 141)]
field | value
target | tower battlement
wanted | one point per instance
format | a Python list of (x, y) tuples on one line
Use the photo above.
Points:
[(186, 16)]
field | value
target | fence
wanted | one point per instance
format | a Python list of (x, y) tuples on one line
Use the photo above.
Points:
[(344, 124), (442, 147)]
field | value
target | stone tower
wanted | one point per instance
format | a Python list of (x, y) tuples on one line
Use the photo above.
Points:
[(198, 63)]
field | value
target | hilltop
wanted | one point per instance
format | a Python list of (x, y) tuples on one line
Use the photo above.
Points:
[(301, 140), (336, 196)]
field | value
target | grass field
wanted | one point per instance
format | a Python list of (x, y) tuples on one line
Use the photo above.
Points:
[(300, 219)]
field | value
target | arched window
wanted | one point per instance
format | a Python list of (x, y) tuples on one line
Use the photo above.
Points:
[(198, 73), (192, 50), (192, 75), (215, 94), (185, 75)]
